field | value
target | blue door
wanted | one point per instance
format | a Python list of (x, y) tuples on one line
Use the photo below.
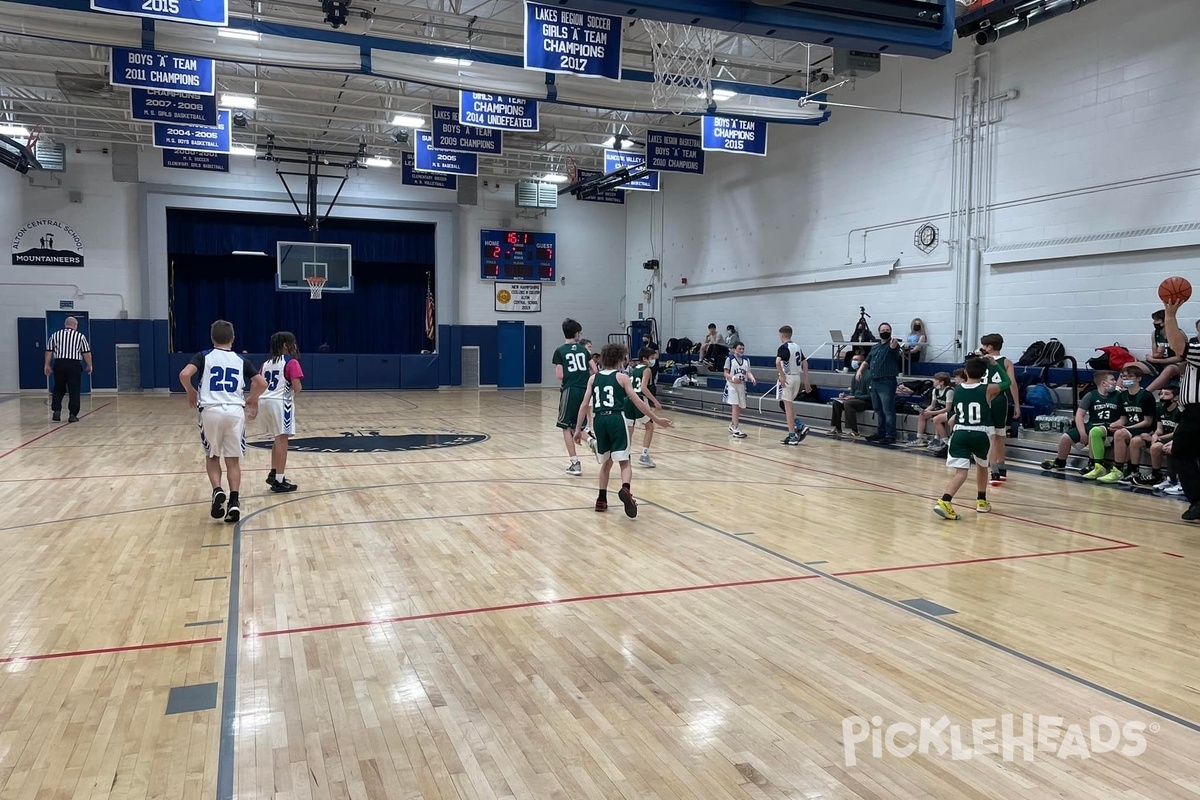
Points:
[(31, 352), (54, 322), (533, 355), (511, 352)]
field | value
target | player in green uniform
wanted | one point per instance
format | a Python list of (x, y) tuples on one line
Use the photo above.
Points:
[(571, 368), (640, 377), (1138, 417), (1098, 410), (971, 440), (608, 391), (1005, 402), (1167, 413)]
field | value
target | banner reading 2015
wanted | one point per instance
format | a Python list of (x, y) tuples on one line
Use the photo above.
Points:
[(197, 12), (729, 135), (575, 42)]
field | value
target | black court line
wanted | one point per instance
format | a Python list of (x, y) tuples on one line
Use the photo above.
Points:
[(416, 519), (212, 578), (203, 623), (1028, 659), (215, 545)]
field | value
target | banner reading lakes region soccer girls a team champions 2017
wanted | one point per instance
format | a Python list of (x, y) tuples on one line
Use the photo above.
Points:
[(574, 42)]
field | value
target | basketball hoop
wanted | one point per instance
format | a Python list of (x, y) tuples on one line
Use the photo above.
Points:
[(683, 63), (315, 285)]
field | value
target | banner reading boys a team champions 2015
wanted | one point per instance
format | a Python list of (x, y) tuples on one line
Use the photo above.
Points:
[(151, 69), (197, 12), (574, 42), (497, 111), (615, 159), (729, 135)]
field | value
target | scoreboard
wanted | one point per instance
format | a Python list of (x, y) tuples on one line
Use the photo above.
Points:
[(517, 256)]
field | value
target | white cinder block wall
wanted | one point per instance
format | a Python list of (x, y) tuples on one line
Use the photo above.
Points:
[(1107, 99)]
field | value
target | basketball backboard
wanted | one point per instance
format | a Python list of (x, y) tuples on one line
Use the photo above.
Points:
[(298, 261)]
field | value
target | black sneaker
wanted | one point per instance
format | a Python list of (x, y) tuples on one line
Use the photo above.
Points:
[(271, 479), (888, 440), (72, 418), (802, 434), (218, 504), (1193, 513), (283, 486), (233, 513), (630, 504), (1053, 463), (1146, 481), (57, 418)]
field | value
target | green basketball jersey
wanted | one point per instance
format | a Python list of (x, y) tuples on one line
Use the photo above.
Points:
[(574, 360), (998, 373), (1169, 419), (1105, 408), (637, 377), (971, 409), (1131, 406), (607, 394)]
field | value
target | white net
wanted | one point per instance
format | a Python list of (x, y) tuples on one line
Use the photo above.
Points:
[(316, 285), (683, 65)]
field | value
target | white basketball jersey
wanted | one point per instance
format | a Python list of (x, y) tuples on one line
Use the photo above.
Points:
[(278, 386), (224, 377), (796, 355), (736, 368)]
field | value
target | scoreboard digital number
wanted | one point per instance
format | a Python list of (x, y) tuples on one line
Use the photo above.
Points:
[(517, 256)]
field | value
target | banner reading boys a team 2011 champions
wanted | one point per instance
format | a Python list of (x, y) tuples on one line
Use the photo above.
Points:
[(729, 135), (151, 69), (497, 111), (574, 42), (197, 12)]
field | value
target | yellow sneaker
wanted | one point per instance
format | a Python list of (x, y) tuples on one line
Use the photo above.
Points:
[(1114, 475), (983, 506), (1095, 472), (944, 510)]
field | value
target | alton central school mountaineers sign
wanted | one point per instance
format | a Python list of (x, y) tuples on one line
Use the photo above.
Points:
[(47, 243)]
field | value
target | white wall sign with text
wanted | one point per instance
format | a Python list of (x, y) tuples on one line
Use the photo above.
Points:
[(519, 297)]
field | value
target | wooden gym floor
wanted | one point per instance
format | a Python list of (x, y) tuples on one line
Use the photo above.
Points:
[(458, 622)]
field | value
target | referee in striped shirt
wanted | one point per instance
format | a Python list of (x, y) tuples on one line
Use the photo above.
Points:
[(70, 350), (1185, 446)]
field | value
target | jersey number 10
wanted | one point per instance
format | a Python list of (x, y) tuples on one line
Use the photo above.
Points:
[(969, 413)]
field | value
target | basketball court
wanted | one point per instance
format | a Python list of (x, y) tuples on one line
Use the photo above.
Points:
[(438, 612)]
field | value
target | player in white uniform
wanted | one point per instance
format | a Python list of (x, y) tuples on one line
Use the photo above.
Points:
[(737, 372), (283, 376), (792, 367), (223, 378)]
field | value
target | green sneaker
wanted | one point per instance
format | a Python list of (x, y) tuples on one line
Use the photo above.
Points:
[(1114, 475), (1095, 472)]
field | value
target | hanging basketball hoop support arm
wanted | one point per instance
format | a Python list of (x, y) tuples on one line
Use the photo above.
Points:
[(313, 161)]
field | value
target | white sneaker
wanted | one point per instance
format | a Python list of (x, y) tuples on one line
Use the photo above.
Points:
[(1167, 483), (591, 443), (575, 469), (738, 433), (1174, 491), (646, 461)]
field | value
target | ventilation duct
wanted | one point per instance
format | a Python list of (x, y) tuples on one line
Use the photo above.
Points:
[(1028, 17)]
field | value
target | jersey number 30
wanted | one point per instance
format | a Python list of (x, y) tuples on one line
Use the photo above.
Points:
[(224, 379), (577, 362)]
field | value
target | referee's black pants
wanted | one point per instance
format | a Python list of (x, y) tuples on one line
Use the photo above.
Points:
[(1185, 452), (68, 377)]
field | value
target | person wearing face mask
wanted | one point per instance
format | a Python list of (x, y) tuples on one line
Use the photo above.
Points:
[(851, 402), (1138, 411), (732, 337), (914, 343), (1097, 411), (883, 362), (1167, 413), (651, 386), (1163, 363)]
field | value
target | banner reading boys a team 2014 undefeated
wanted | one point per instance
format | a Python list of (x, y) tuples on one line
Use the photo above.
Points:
[(497, 111), (729, 135), (197, 12), (574, 42)]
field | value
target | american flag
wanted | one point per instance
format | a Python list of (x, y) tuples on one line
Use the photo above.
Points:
[(429, 321)]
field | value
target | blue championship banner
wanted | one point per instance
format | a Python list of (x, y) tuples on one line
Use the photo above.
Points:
[(150, 69), (444, 161), (615, 159), (573, 42), (498, 111), (611, 196), (449, 134), (728, 135), (200, 138), (204, 162), (197, 12), (409, 175), (671, 151), (149, 105)]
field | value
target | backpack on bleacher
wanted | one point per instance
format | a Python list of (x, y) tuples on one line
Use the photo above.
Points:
[(1031, 354), (1041, 398), (1053, 354), (1113, 357)]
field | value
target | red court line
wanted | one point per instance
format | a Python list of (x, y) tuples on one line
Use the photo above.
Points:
[(1172, 555), (531, 604), (105, 650), (676, 590), (52, 430), (854, 479)]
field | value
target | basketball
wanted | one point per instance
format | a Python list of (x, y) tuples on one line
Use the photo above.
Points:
[(1174, 291)]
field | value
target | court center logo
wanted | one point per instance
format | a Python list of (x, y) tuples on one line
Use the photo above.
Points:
[(47, 243), (376, 441)]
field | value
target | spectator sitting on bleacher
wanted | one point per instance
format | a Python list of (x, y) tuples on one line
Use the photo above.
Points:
[(941, 440), (1163, 363), (1138, 411), (851, 402), (1168, 413), (940, 400), (1098, 410), (732, 337), (712, 338), (862, 333), (914, 343)]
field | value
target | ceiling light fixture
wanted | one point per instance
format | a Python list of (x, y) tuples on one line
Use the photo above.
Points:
[(237, 149), (555, 177), (239, 33), (408, 121), (377, 161), (454, 62), (237, 101), (15, 131), (719, 94)]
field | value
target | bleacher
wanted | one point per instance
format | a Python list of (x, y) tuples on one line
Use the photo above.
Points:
[(1030, 447)]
